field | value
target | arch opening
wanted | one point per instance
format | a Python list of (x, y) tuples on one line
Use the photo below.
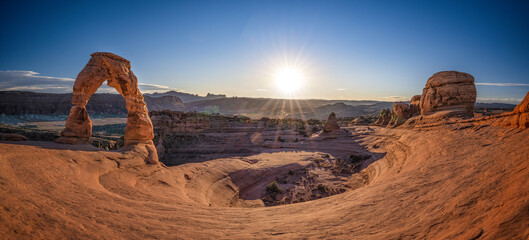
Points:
[(116, 71)]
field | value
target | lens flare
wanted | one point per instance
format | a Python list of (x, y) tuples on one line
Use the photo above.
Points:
[(289, 80)]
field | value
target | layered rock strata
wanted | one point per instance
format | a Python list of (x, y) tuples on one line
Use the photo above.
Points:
[(450, 91), (518, 118)]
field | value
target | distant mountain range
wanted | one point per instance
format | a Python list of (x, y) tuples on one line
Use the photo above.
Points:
[(21, 103), (17, 103), (293, 108), (186, 97)]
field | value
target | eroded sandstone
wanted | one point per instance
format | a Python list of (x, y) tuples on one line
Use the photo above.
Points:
[(518, 118), (400, 114), (383, 118), (415, 108), (449, 91), (118, 74)]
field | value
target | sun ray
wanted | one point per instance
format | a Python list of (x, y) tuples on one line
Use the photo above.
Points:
[(289, 80)]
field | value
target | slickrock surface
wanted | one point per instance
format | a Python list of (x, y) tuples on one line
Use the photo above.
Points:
[(449, 91), (423, 185), (118, 74)]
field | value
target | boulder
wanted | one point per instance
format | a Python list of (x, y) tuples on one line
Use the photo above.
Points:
[(450, 91), (331, 124), (118, 74)]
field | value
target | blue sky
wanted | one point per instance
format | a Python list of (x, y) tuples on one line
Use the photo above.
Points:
[(384, 50)]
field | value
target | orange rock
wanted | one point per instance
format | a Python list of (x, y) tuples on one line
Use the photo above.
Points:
[(118, 74), (415, 103), (518, 118), (523, 106), (383, 118), (78, 125), (449, 91), (401, 112)]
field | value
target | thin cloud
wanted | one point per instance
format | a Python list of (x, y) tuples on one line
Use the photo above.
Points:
[(504, 84), (34, 82), (262, 90), (340, 89), (499, 100), (396, 98)]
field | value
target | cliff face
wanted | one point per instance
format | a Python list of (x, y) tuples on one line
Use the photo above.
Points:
[(21, 103)]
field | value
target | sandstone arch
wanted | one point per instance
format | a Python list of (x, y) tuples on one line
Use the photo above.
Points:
[(117, 72)]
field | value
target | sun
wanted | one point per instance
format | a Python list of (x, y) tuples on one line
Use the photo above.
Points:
[(289, 80)]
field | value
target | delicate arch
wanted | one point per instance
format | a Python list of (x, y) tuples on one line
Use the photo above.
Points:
[(116, 71)]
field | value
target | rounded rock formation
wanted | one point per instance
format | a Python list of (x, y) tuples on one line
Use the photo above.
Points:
[(400, 114), (450, 91), (118, 74)]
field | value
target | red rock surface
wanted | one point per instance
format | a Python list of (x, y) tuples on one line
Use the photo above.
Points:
[(415, 103), (449, 91), (442, 183), (518, 118), (118, 74), (383, 118), (400, 114)]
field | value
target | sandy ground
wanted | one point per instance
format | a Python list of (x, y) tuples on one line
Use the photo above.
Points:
[(444, 182)]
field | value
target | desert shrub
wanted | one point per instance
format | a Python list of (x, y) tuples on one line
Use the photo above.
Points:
[(273, 187), (357, 158), (314, 122), (118, 129), (296, 140), (321, 188)]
